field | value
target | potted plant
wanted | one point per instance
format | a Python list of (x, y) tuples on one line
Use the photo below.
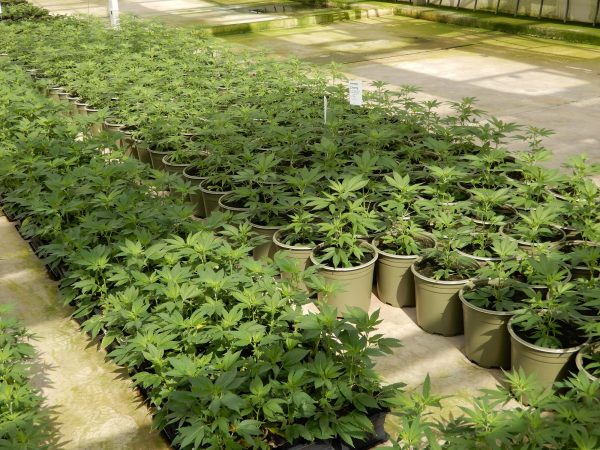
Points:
[(439, 275), (488, 303), (536, 229), (344, 257), (398, 247), (546, 334)]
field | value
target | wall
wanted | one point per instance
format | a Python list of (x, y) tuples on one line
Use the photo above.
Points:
[(579, 10)]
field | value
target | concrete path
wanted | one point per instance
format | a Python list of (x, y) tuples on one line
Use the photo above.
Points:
[(179, 12), (92, 402), (532, 81)]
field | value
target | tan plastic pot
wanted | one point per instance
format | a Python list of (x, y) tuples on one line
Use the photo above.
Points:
[(579, 359), (196, 195), (112, 127), (54, 91), (356, 282), (73, 104), (210, 198), (156, 158), (225, 206), (81, 108), (299, 255), (439, 309), (96, 128), (532, 247), (142, 152), (266, 250), (549, 365), (487, 342), (176, 168), (394, 280), (128, 142)]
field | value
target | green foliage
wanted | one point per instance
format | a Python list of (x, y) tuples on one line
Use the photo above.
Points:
[(24, 424)]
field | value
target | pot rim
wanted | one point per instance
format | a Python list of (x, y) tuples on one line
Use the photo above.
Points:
[(427, 236), (557, 351), (433, 280), (265, 227), (286, 246), (88, 108), (344, 269), (492, 312), (579, 358), (81, 103), (535, 244), (192, 177), (168, 163), (231, 208), (480, 258), (207, 191)]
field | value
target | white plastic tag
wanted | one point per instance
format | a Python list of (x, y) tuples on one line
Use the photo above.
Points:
[(324, 109), (355, 91)]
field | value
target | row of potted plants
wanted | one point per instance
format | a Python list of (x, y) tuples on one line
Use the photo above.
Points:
[(421, 185), (218, 343), (565, 418), (24, 423)]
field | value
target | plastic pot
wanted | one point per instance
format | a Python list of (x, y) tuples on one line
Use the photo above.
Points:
[(592, 348), (142, 152), (210, 198), (128, 142), (196, 195), (224, 205), (299, 254), (356, 283), (487, 342), (394, 280), (96, 126), (531, 247), (156, 158), (73, 104), (549, 365), (267, 249), (81, 108), (112, 127), (54, 91), (439, 309), (171, 167)]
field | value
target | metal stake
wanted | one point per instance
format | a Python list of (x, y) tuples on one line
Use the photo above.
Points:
[(540, 12), (517, 7), (596, 13), (567, 10)]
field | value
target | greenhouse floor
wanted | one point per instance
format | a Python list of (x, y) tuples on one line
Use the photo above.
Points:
[(533, 81), (91, 400)]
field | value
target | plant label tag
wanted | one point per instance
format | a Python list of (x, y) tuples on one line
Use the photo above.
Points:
[(324, 109), (113, 11), (355, 91)]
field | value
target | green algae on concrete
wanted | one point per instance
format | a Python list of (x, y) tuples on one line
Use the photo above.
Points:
[(551, 29), (92, 401)]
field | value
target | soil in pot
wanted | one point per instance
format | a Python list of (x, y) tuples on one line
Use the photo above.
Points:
[(439, 309), (487, 308), (355, 283), (548, 365), (394, 280)]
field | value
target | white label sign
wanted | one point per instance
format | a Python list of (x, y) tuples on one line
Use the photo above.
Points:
[(113, 11), (324, 109), (355, 91)]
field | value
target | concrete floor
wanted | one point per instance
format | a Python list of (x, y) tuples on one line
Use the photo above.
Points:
[(532, 81), (175, 12), (92, 402)]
